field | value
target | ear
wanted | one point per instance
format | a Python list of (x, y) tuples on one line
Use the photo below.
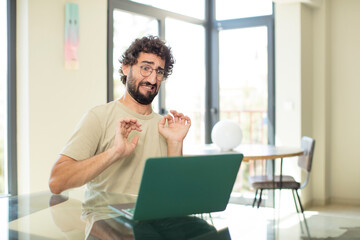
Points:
[(126, 69)]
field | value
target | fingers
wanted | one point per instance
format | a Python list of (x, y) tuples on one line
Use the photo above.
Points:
[(130, 122), (179, 118), (186, 120), (127, 125), (165, 118), (162, 122)]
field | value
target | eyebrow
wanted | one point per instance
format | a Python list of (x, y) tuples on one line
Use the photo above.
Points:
[(151, 63), (148, 62)]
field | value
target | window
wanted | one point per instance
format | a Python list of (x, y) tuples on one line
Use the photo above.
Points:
[(189, 8), (8, 167), (224, 64), (135, 26), (243, 87), (244, 77), (232, 9), (3, 97), (184, 90), (189, 73)]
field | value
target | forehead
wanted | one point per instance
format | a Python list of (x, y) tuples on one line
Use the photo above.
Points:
[(151, 59)]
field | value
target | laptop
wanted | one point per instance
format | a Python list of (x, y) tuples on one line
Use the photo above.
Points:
[(180, 186)]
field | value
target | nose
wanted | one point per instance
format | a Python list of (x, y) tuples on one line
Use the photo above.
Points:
[(152, 78)]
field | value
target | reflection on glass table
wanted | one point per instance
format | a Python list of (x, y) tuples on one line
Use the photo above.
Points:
[(79, 214)]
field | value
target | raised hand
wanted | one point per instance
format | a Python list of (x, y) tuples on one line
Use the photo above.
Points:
[(122, 146), (177, 129)]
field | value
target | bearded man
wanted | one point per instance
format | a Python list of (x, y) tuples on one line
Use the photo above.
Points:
[(111, 143)]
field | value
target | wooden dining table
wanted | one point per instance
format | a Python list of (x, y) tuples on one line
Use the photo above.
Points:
[(250, 151)]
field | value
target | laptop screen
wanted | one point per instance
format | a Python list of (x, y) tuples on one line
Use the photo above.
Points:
[(179, 186)]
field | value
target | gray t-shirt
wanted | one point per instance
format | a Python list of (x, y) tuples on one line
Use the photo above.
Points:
[(96, 133)]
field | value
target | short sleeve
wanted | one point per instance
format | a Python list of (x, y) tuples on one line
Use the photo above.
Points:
[(85, 139)]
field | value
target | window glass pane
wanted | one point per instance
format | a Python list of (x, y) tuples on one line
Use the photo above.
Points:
[(185, 88), (127, 27), (244, 86), (3, 96), (191, 8), (230, 9)]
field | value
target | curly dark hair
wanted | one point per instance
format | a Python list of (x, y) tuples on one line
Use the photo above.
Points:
[(149, 44)]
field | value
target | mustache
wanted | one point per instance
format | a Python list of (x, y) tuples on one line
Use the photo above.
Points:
[(149, 84)]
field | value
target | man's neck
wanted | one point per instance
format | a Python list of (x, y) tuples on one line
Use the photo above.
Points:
[(132, 104)]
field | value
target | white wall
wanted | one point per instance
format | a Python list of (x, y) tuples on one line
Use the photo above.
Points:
[(288, 74), (51, 99), (294, 80), (320, 192), (317, 49), (344, 101)]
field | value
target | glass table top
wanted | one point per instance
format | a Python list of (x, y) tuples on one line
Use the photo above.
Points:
[(84, 214), (81, 214)]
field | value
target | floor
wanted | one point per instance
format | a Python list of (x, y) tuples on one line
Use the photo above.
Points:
[(333, 222)]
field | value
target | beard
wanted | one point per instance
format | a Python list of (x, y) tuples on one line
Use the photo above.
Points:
[(135, 93)]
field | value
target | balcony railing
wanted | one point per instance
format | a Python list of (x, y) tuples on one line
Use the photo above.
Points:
[(253, 124)]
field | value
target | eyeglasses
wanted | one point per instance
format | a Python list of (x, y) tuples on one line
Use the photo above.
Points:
[(146, 70)]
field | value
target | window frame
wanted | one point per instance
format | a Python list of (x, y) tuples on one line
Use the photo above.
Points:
[(11, 100), (268, 22), (212, 28), (144, 10)]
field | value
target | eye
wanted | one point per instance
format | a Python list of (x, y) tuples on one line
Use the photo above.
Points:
[(160, 71), (146, 68)]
